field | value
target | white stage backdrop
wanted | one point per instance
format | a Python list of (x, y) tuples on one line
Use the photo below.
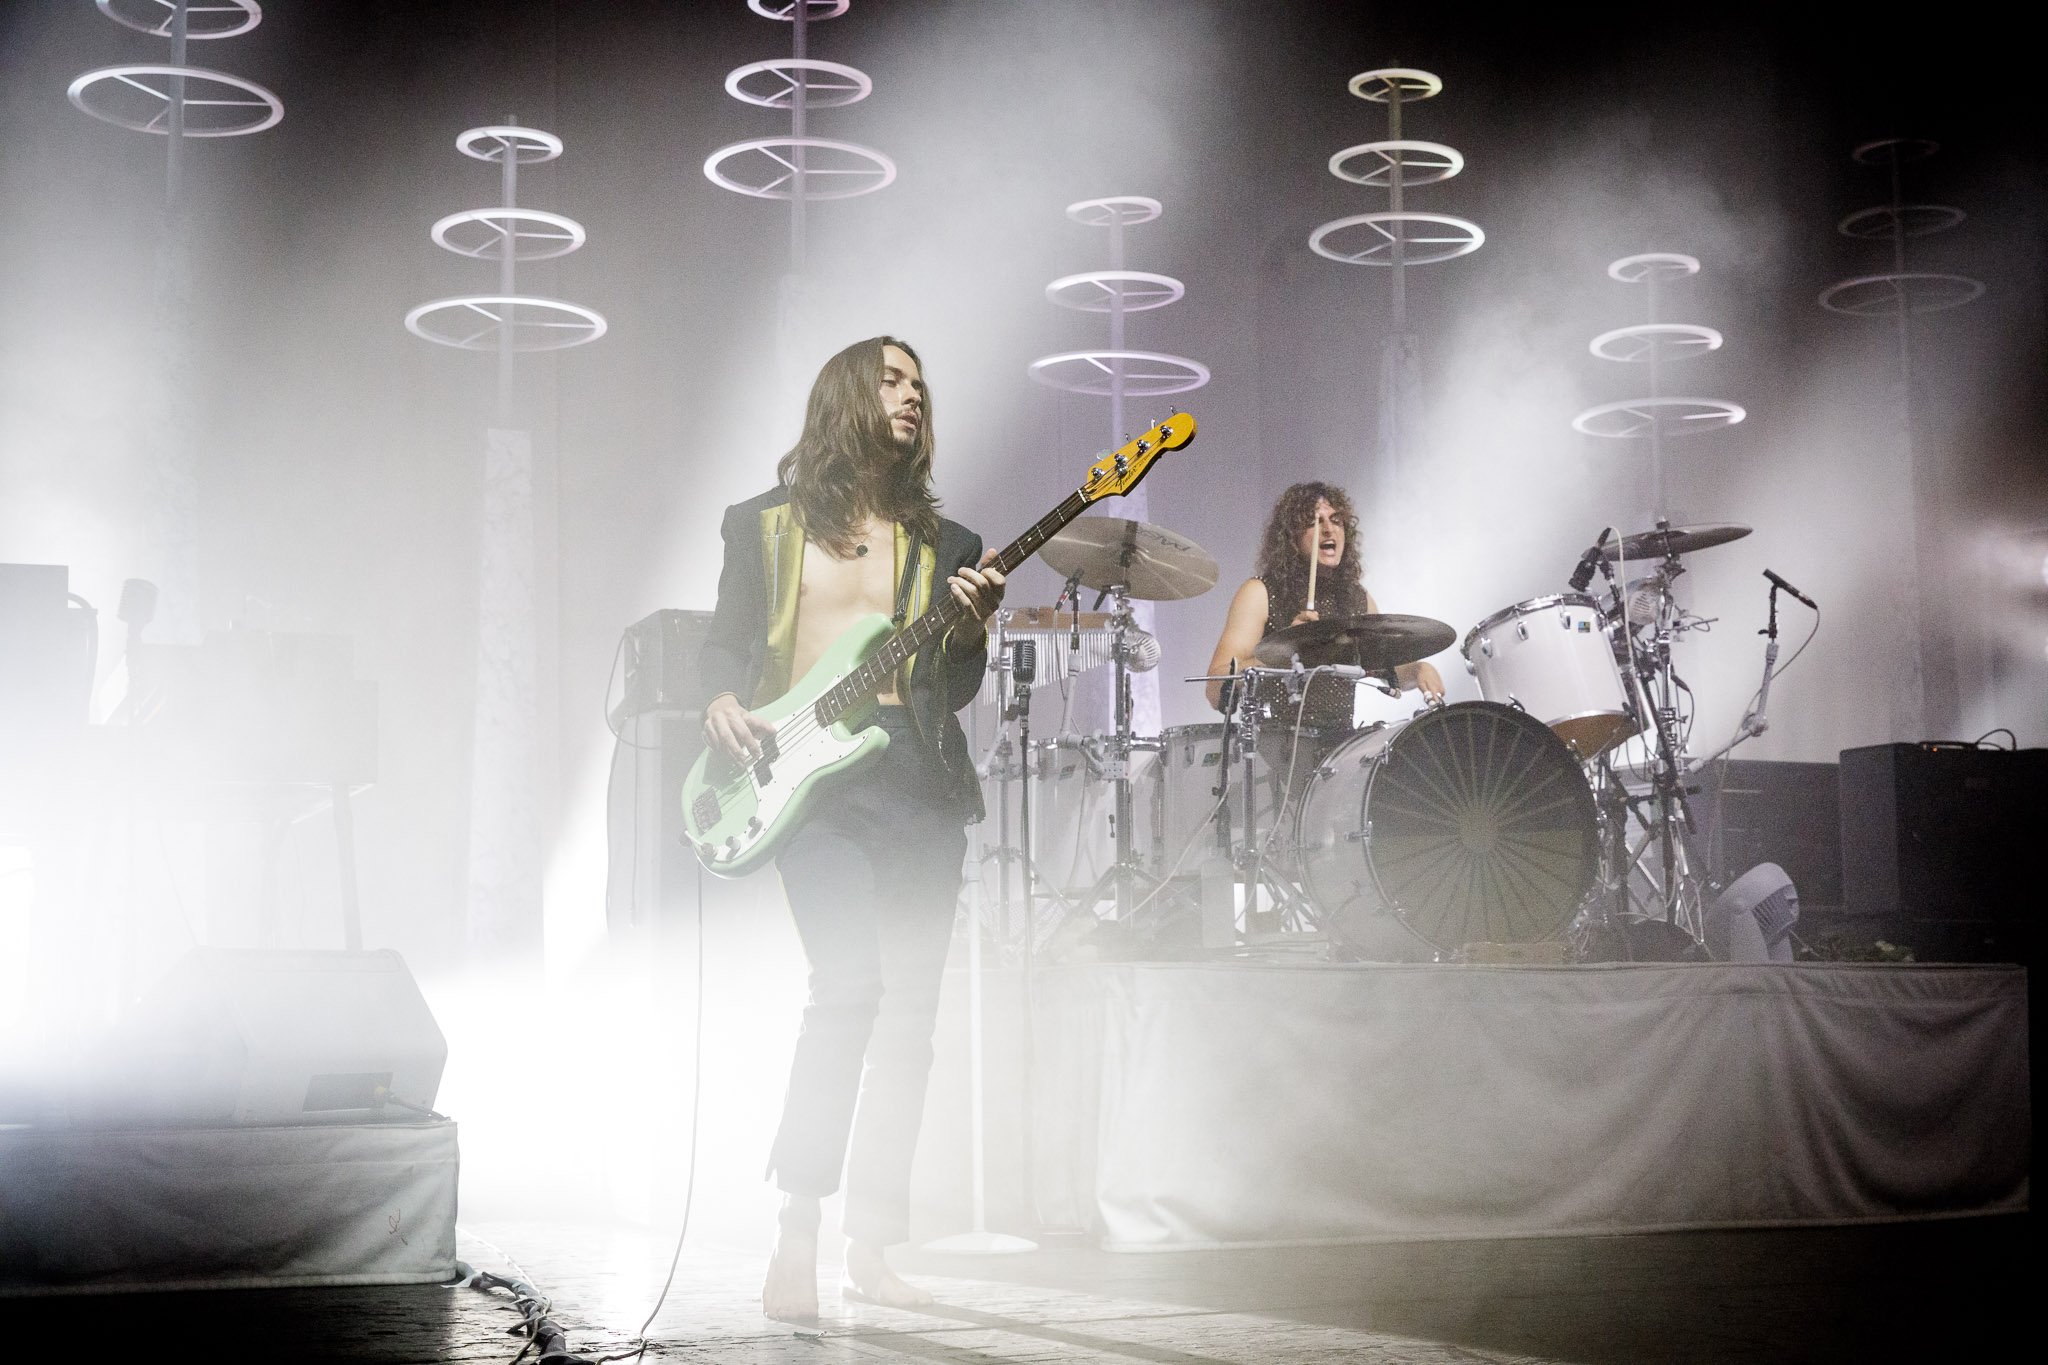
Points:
[(1268, 1104)]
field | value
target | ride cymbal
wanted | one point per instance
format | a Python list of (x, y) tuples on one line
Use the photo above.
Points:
[(1673, 540), (1149, 562)]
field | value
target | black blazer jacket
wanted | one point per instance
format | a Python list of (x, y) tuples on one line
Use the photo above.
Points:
[(736, 646)]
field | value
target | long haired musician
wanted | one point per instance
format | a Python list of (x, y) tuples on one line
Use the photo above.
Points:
[(873, 871), (1308, 570)]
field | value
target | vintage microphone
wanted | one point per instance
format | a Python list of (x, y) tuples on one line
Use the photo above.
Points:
[(1023, 673)]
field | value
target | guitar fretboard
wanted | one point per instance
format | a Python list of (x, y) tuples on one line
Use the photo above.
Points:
[(860, 686)]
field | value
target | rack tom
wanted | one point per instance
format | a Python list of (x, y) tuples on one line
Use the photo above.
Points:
[(1553, 658)]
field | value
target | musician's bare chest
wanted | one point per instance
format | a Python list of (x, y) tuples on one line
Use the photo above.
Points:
[(851, 587), (835, 592)]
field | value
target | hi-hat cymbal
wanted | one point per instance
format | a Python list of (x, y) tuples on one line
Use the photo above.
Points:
[(1382, 640), (1673, 540), (1147, 561)]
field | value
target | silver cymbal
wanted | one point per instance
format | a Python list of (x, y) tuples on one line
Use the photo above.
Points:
[(1371, 642), (1673, 540), (1149, 562)]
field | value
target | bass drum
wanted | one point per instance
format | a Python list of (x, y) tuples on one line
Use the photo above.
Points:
[(1468, 824)]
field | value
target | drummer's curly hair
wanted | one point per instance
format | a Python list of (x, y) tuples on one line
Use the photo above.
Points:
[(1283, 567)]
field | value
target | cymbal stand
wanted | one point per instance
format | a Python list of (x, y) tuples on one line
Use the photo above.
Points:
[(1253, 866), (1122, 876), (1663, 811)]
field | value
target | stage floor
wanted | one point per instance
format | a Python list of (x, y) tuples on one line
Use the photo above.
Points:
[(1813, 1294)]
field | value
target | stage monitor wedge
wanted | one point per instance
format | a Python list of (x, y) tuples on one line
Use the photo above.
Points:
[(255, 1036)]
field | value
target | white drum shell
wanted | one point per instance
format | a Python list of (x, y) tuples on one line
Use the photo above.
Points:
[(1181, 792), (1553, 658)]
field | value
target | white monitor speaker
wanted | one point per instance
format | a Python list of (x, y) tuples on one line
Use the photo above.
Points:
[(254, 1036)]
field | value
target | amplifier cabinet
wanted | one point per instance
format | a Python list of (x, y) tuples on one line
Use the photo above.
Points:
[(1943, 831), (1752, 811)]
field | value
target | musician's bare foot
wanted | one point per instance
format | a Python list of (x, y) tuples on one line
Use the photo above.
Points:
[(868, 1277), (791, 1290)]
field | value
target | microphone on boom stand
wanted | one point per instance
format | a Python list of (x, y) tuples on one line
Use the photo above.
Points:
[(1781, 583), (1588, 561)]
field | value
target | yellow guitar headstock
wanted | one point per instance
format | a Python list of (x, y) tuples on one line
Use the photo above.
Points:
[(1119, 471)]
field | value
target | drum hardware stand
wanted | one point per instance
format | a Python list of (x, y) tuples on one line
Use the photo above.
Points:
[(1254, 870), (1119, 878), (1020, 668), (1663, 810)]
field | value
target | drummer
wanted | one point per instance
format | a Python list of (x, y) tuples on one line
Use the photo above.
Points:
[(1313, 524)]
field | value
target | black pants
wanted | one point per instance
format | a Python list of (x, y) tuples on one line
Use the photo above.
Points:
[(872, 879)]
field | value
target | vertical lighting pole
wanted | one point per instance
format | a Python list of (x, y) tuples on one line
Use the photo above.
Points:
[(1395, 239), (1926, 692), (1118, 374), (177, 102), (1655, 417), (504, 876), (800, 168)]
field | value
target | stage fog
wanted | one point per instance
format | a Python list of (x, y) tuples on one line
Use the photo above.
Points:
[(225, 401)]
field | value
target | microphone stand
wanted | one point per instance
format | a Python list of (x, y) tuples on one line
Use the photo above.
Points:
[(1754, 721)]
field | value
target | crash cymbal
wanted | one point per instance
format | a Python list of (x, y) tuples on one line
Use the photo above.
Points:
[(1383, 640), (1673, 540), (1147, 561)]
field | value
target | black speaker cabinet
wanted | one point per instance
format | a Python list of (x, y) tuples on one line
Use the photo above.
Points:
[(1943, 832), (1753, 811)]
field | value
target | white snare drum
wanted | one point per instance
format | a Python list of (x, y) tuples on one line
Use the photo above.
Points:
[(1553, 658), (1471, 823)]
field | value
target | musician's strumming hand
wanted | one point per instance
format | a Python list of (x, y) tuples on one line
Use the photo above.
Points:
[(733, 730), (979, 590)]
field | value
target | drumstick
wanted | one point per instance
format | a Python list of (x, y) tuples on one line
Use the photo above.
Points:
[(1314, 556)]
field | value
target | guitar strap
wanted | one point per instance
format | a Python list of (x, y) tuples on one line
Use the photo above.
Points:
[(908, 572)]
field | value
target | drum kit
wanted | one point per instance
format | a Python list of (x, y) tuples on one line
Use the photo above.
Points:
[(1547, 821)]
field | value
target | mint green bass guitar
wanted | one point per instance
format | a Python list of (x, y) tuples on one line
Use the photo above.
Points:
[(736, 815)]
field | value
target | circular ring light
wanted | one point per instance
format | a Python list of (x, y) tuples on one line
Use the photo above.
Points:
[(786, 9), (145, 108), (855, 164), (1122, 209), (1421, 163), (248, 14), (1653, 265), (1379, 86), (527, 145), (1143, 374), (1911, 220), (847, 86), (1439, 237), (1656, 341), (1903, 151), (472, 322), (1099, 291), (502, 229), (1634, 417), (1877, 296)]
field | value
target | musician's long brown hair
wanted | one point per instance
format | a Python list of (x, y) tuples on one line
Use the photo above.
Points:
[(847, 466), (1284, 568)]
